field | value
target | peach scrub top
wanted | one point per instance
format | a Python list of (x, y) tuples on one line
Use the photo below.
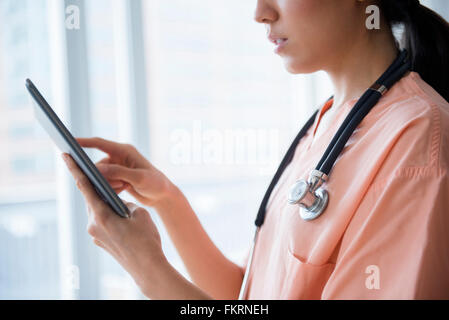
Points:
[(385, 232)]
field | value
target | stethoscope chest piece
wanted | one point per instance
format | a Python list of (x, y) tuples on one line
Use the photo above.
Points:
[(311, 198), (318, 208)]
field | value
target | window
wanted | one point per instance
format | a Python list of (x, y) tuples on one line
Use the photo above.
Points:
[(113, 282), (28, 224)]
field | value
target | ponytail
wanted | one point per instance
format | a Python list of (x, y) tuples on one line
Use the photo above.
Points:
[(426, 38)]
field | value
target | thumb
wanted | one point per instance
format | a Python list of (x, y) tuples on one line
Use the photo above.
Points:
[(117, 172)]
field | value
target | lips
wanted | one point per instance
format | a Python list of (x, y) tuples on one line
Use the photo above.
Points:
[(280, 41), (277, 39)]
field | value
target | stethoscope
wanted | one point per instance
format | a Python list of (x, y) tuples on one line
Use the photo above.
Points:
[(310, 195)]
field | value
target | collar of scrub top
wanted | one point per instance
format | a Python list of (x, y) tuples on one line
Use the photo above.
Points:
[(366, 102)]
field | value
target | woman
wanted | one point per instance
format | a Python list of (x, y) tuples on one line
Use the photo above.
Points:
[(384, 234)]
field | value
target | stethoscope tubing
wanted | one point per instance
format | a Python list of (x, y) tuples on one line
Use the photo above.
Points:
[(368, 100), (285, 161), (244, 287), (372, 99)]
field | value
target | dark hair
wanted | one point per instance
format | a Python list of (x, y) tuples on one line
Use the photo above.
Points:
[(426, 38)]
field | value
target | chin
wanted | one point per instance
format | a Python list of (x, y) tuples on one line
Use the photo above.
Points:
[(297, 66)]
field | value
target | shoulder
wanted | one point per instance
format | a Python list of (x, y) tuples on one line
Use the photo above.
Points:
[(414, 99), (414, 119)]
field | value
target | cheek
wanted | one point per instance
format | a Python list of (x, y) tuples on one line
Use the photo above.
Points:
[(316, 29), (305, 19)]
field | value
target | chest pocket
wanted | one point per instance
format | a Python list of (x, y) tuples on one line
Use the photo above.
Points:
[(304, 280)]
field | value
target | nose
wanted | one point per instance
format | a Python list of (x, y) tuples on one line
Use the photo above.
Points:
[(265, 13)]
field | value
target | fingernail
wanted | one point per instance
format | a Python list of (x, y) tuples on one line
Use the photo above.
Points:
[(117, 185)]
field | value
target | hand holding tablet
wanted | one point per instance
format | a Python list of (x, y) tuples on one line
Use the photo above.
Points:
[(134, 242)]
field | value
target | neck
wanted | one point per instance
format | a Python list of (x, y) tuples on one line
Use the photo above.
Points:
[(354, 72)]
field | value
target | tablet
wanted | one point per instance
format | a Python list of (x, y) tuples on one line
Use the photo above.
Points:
[(67, 144)]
